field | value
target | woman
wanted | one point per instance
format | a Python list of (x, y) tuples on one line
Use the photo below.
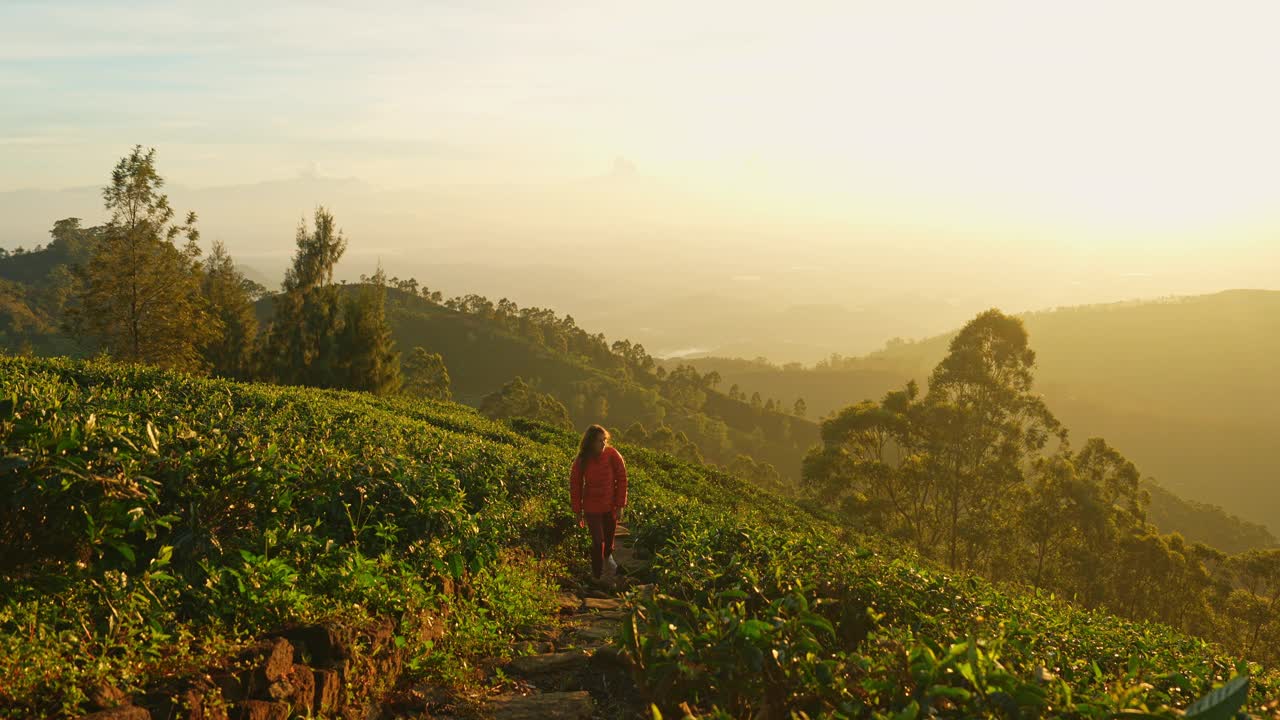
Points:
[(598, 491)]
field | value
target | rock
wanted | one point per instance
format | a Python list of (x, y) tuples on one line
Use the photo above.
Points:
[(263, 710), (280, 690), (303, 698), (592, 603), (551, 706), (196, 705), (104, 696), (569, 661), (538, 633), (610, 655), (595, 632), (272, 658), (234, 686), (569, 603), (535, 648), (328, 691), (327, 645), (120, 712)]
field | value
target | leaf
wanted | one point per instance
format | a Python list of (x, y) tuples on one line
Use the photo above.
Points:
[(754, 629), (152, 438), (163, 557), (1222, 703), (819, 622), (954, 693), (124, 550), (910, 712)]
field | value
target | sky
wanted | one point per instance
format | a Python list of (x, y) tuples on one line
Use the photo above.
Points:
[(1141, 137)]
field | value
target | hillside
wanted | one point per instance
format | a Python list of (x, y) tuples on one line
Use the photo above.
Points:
[(180, 518), (483, 350), (484, 346), (1185, 388)]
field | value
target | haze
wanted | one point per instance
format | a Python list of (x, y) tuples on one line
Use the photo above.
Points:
[(746, 179)]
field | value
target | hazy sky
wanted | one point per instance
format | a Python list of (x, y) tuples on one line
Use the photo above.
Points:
[(1147, 115), (1141, 135)]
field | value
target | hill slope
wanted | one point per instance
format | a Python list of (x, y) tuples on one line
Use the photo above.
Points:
[(1186, 388), (482, 354), (177, 516)]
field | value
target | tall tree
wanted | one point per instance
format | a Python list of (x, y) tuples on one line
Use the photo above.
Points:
[(986, 427), (425, 375), (227, 292), (301, 342), (139, 295), (367, 356)]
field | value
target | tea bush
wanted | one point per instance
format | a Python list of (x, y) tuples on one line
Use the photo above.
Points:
[(152, 523)]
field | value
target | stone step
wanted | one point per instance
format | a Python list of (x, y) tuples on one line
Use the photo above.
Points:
[(568, 603), (553, 706), (601, 603), (594, 633), (568, 661)]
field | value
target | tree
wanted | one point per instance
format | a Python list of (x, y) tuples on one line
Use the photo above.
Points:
[(947, 471), (367, 356), (1257, 601), (985, 424), (227, 293), (301, 342), (519, 399), (426, 376), (800, 409), (139, 296)]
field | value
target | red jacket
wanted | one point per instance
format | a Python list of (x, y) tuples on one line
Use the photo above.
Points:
[(605, 485)]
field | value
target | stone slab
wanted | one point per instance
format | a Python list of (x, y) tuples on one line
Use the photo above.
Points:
[(549, 706)]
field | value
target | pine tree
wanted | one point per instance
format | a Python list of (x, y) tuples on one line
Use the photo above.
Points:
[(367, 356), (139, 296), (301, 342), (225, 289)]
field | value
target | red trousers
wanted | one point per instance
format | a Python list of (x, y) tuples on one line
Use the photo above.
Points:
[(602, 527)]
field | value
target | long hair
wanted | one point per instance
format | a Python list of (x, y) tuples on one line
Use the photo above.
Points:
[(586, 449)]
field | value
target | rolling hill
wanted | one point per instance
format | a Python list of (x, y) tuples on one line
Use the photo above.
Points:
[(1184, 387)]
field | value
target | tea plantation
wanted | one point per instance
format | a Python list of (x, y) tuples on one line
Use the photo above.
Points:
[(154, 525)]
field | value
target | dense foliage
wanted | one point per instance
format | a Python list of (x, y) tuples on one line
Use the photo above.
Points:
[(1184, 387), (151, 521), (966, 475)]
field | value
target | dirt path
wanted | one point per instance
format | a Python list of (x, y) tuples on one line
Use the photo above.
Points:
[(576, 673)]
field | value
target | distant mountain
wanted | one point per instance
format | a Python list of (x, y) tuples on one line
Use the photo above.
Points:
[(1186, 387)]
